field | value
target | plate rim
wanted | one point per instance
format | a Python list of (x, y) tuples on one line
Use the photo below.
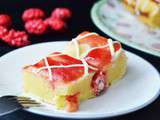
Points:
[(98, 115), (95, 19)]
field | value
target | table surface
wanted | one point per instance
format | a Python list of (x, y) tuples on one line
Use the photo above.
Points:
[(80, 21)]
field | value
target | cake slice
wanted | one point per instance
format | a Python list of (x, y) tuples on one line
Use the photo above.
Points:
[(100, 52), (148, 11), (89, 64), (61, 80)]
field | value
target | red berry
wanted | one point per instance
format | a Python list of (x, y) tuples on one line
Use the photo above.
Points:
[(3, 31), (61, 13), (47, 21), (98, 83), (55, 24), (36, 27), (5, 20), (16, 38), (32, 13)]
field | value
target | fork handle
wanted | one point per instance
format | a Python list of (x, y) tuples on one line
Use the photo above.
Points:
[(6, 111)]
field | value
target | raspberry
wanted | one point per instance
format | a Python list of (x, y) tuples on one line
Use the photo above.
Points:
[(36, 27), (47, 21), (98, 83), (32, 13), (61, 13), (55, 24), (16, 38), (5, 20), (3, 31)]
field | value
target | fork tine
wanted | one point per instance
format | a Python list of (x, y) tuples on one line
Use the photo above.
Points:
[(25, 99), (22, 97), (31, 105), (10, 103), (22, 100), (28, 102), (15, 98)]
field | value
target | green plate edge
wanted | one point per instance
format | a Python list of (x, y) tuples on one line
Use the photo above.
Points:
[(96, 20)]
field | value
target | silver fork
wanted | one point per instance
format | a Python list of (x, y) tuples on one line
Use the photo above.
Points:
[(9, 103)]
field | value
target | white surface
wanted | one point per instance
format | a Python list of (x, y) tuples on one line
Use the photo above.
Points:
[(138, 88)]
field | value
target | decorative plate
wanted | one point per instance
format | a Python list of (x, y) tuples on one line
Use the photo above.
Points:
[(117, 22)]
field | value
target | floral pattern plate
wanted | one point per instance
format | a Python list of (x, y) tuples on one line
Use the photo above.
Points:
[(118, 23)]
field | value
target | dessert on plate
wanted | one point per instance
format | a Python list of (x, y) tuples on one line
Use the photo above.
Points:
[(147, 11), (89, 64), (100, 52)]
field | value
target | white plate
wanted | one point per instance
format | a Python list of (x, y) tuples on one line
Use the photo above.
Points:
[(111, 17), (138, 88)]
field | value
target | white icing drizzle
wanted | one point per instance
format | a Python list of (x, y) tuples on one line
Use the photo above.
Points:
[(104, 46), (77, 48), (48, 67), (84, 63), (115, 54), (85, 67), (60, 66), (110, 43), (93, 68), (47, 64), (75, 40), (65, 66)]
